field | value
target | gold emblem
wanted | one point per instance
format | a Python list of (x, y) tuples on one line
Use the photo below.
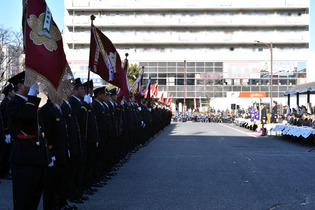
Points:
[(41, 36)]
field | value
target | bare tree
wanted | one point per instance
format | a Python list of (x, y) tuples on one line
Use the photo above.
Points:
[(11, 59), (215, 91)]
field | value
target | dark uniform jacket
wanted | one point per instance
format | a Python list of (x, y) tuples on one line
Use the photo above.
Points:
[(113, 125), (101, 119), (73, 130), (263, 115), (80, 111), (92, 137), (274, 114), (54, 127), (2, 133), (22, 116), (3, 108)]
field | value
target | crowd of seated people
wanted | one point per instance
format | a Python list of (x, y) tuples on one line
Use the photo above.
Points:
[(301, 120)]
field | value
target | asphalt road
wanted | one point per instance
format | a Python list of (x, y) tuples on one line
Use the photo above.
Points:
[(208, 166)]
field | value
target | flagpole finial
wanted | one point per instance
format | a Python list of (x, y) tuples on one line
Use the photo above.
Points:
[(92, 17), (142, 67), (126, 55)]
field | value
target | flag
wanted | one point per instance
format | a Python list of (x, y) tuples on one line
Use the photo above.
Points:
[(161, 99), (45, 60), (137, 81), (171, 103), (138, 93), (154, 90), (155, 93), (105, 61), (127, 92), (145, 93), (149, 93), (167, 99)]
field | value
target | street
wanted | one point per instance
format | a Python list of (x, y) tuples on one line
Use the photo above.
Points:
[(208, 166)]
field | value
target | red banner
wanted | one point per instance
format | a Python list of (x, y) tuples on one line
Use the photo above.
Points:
[(44, 54), (105, 61)]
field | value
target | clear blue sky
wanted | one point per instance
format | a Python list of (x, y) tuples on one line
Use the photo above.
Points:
[(11, 15)]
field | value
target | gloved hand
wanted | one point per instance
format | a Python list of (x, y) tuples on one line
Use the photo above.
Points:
[(8, 138), (53, 159), (34, 90), (142, 124), (149, 109), (139, 108), (96, 144), (87, 98)]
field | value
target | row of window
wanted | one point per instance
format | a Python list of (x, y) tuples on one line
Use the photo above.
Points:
[(245, 82), (215, 94), (189, 14)]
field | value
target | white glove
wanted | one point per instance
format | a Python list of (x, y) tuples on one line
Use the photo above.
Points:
[(139, 108), (69, 153), (8, 138), (34, 90), (142, 124), (87, 98), (149, 109), (96, 144), (53, 159)]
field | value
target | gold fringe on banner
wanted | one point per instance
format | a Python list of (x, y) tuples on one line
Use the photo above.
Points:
[(45, 86)]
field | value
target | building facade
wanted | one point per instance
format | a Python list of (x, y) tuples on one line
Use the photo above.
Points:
[(217, 53)]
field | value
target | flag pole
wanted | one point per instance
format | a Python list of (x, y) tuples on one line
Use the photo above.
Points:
[(89, 69), (88, 84)]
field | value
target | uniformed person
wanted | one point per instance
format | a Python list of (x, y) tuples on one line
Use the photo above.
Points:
[(274, 113), (2, 142), (71, 182), (91, 179), (28, 158), (76, 102), (54, 127), (102, 122), (263, 118), (9, 93)]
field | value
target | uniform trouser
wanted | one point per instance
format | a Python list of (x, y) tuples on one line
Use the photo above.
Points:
[(53, 187), (82, 168), (28, 183), (75, 177), (68, 177), (90, 166), (263, 129), (103, 158), (4, 159)]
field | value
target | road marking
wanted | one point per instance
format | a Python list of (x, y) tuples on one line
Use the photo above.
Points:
[(239, 130)]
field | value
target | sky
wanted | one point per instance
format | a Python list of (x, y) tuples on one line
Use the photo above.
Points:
[(11, 16)]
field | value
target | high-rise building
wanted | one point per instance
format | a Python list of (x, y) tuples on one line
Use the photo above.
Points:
[(228, 46)]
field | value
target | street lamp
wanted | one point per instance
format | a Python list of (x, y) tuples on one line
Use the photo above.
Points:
[(271, 75)]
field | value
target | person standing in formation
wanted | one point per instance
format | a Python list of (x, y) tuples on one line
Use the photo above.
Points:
[(263, 119)]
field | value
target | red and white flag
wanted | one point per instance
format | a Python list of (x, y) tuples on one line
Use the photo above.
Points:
[(121, 93), (161, 99), (154, 90), (167, 99), (105, 61), (139, 89), (45, 60)]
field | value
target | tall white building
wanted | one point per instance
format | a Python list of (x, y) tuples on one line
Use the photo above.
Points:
[(225, 43)]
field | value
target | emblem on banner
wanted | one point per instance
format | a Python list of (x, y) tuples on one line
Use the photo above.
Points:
[(43, 32)]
